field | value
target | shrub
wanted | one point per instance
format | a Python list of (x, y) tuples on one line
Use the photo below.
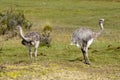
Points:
[(9, 19), (46, 36)]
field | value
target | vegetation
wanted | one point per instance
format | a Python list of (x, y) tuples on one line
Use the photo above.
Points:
[(46, 34), (9, 19), (62, 61)]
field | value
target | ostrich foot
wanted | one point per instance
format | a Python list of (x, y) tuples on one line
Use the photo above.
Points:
[(87, 63)]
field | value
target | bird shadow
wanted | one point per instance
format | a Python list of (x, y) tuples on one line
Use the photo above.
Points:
[(76, 59), (110, 47), (95, 51), (42, 54)]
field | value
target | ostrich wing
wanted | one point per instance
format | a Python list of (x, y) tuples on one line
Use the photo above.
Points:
[(83, 34), (32, 36)]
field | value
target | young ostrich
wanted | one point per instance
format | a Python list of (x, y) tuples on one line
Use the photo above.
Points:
[(29, 40), (84, 37)]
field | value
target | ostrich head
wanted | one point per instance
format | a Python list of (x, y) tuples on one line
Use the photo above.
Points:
[(18, 27), (101, 21)]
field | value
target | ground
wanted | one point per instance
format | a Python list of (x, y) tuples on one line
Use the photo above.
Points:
[(62, 61)]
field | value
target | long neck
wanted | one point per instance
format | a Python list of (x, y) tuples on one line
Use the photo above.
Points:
[(21, 33), (101, 30), (101, 26), (22, 36)]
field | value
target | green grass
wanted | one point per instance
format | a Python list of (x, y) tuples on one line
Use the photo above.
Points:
[(62, 59)]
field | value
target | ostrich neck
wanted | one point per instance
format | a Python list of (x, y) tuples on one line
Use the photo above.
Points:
[(21, 33), (101, 30), (101, 26)]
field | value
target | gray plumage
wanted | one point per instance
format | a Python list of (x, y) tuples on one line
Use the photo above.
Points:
[(84, 37), (81, 35), (32, 36)]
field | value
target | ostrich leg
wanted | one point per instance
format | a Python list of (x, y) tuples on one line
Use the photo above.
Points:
[(30, 51), (35, 49), (84, 49), (85, 55)]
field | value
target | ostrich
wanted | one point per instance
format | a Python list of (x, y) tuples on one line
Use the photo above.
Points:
[(84, 37), (29, 40)]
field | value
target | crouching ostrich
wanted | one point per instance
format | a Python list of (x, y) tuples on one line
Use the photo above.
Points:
[(84, 37)]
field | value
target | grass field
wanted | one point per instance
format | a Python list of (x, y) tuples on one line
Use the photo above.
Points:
[(62, 61)]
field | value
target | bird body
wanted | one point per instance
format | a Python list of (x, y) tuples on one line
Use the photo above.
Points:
[(33, 37), (84, 37), (81, 35), (30, 39)]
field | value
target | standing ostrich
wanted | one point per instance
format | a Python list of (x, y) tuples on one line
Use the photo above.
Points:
[(84, 37), (29, 40)]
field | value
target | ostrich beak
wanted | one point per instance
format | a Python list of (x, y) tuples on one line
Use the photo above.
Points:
[(102, 20), (18, 27)]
